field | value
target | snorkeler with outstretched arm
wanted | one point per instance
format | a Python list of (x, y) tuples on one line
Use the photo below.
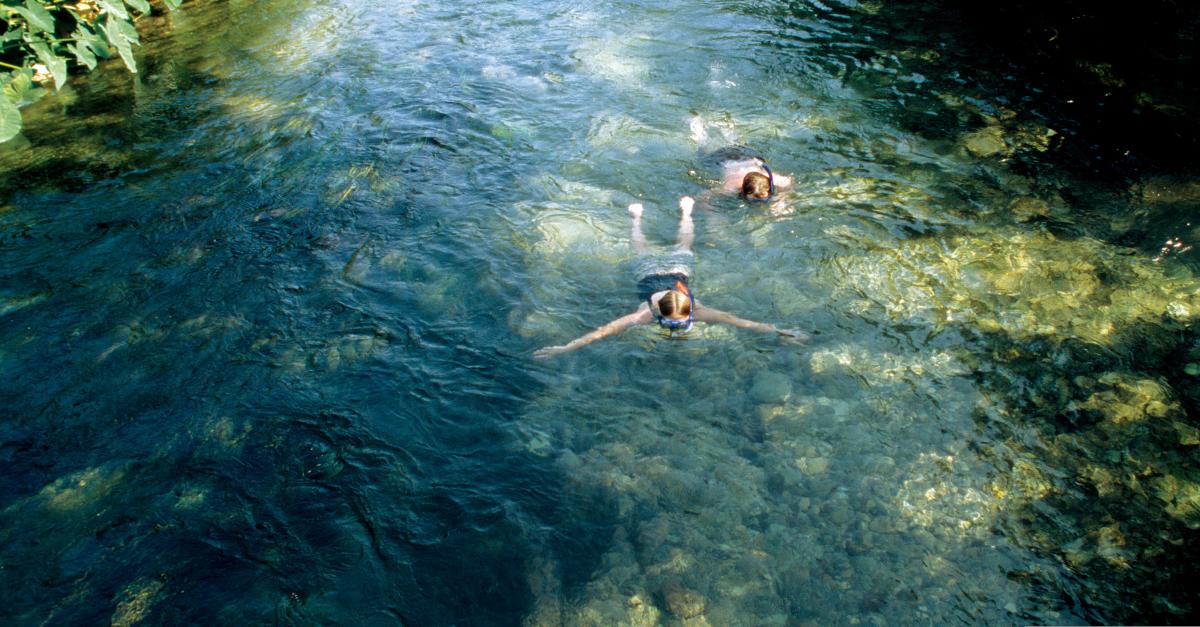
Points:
[(663, 290)]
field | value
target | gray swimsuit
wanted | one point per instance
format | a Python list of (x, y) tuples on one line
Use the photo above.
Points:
[(657, 273)]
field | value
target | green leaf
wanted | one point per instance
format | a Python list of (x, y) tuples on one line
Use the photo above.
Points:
[(83, 53), (113, 8), (173, 4), (38, 17), (56, 64), (36, 24), (10, 120), (21, 89), (12, 34), (85, 33), (17, 84), (141, 6), (130, 31), (115, 29), (58, 69), (43, 16), (98, 43)]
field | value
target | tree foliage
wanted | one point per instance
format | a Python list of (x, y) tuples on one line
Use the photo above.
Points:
[(44, 40)]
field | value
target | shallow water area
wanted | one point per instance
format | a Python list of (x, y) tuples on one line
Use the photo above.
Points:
[(269, 309)]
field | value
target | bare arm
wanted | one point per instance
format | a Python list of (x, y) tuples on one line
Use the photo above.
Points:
[(708, 314), (781, 181), (641, 316)]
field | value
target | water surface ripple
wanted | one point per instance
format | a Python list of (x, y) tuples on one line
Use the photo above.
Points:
[(268, 307)]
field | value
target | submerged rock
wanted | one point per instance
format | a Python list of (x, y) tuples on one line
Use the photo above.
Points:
[(771, 388), (683, 602), (135, 602), (1025, 209), (812, 465), (82, 489), (1122, 399), (1182, 497), (986, 142), (1188, 435), (1168, 191), (640, 613)]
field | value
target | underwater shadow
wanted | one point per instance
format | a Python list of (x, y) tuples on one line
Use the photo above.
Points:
[(240, 398)]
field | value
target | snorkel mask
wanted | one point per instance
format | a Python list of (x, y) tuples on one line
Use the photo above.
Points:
[(770, 184), (680, 325)]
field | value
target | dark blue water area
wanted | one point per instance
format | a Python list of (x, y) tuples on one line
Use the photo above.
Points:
[(177, 347), (380, 460)]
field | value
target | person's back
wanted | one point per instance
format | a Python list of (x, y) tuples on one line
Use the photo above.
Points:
[(743, 170)]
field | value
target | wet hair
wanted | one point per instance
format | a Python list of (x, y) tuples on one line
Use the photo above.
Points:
[(675, 303), (756, 185)]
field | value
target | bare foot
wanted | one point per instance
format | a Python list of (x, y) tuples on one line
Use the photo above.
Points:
[(635, 210), (685, 205), (699, 133)]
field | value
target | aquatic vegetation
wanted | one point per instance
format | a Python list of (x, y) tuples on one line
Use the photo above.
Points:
[(81, 490), (10, 304), (204, 325), (344, 351), (1029, 208), (191, 499), (1024, 285), (1167, 191), (136, 601), (227, 432)]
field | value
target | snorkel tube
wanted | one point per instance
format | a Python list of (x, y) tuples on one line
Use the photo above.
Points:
[(770, 179)]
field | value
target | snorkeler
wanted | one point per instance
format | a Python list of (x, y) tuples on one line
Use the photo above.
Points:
[(666, 298), (743, 171)]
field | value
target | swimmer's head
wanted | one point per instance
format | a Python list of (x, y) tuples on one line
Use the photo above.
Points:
[(756, 185), (675, 305)]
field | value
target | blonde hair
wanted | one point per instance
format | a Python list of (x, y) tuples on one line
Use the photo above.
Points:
[(675, 302)]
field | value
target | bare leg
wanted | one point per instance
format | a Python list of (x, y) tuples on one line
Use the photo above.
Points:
[(639, 239), (728, 132), (687, 230), (699, 132)]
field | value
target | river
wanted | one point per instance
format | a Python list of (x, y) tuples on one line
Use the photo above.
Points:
[(268, 312)]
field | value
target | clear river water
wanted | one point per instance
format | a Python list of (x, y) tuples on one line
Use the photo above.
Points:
[(268, 309)]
